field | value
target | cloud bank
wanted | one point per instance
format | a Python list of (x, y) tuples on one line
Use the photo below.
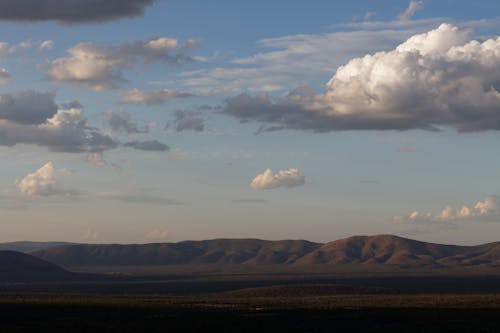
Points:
[(442, 78), (71, 11), (486, 210), (284, 178)]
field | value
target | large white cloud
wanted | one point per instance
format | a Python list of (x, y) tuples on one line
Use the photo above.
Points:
[(442, 78), (283, 178), (43, 182), (485, 210), (92, 66)]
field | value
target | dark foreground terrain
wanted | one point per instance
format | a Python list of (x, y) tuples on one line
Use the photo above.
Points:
[(235, 313)]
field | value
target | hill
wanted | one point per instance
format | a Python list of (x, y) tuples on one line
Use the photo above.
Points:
[(386, 250), (20, 267)]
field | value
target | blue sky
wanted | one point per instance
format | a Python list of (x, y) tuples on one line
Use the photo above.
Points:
[(160, 124)]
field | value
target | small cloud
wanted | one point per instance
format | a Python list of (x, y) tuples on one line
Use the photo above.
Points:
[(92, 66), (188, 121), (152, 145), (283, 178), (46, 45), (43, 182), (121, 121), (413, 7), (157, 97)]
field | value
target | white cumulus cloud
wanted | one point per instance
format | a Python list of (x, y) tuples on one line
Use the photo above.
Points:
[(283, 178), (442, 78), (43, 182)]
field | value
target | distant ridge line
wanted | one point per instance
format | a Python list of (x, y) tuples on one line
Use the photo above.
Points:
[(386, 250)]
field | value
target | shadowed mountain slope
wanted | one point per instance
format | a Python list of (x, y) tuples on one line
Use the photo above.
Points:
[(359, 250), (218, 251), (20, 267), (29, 246)]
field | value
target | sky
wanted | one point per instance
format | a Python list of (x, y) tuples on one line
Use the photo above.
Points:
[(159, 121)]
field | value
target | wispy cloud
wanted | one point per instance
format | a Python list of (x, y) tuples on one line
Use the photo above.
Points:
[(412, 8)]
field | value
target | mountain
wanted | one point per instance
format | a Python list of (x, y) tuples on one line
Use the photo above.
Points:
[(29, 246), (20, 267), (218, 251), (385, 250)]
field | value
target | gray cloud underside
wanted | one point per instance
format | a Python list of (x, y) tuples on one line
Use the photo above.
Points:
[(121, 121), (31, 117), (152, 145), (71, 11), (292, 115), (71, 138), (188, 121), (27, 107)]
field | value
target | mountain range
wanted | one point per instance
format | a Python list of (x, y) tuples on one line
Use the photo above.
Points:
[(385, 250)]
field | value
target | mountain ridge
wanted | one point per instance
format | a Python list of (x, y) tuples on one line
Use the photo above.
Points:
[(356, 250)]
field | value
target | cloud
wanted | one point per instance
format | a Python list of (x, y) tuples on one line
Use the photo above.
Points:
[(188, 121), (92, 66), (4, 76), (158, 234), (27, 107), (46, 45), (486, 210), (157, 97), (31, 117), (152, 145), (71, 12), (442, 78), (413, 7), (292, 60), (121, 121), (43, 182), (283, 178)]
